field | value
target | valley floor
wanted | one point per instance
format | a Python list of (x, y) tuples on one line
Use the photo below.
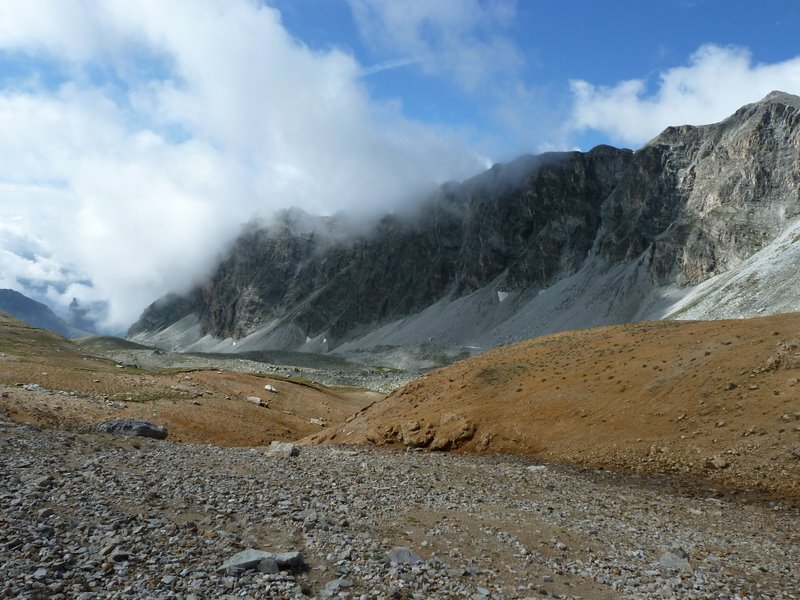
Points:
[(90, 515)]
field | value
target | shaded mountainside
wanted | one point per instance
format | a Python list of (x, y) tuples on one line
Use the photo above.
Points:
[(541, 244), (32, 312)]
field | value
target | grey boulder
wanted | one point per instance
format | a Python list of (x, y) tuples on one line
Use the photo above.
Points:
[(133, 427), (251, 558), (677, 559), (286, 449), (403, 556)]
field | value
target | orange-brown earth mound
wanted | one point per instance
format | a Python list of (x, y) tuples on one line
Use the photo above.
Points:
[(716, 400), (207, 406)]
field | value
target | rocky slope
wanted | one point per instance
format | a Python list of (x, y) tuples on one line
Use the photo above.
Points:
[(539, 245), (90, 516)]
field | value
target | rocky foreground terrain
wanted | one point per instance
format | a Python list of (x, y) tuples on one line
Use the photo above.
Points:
[(670, 471), (92, 516)]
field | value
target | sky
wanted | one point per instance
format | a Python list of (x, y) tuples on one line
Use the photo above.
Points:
[(138, 137)]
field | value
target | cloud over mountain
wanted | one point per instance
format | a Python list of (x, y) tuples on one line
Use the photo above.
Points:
[(143, 136), (716, 81)]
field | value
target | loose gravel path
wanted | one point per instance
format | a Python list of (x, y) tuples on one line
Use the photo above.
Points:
[(94, 516)]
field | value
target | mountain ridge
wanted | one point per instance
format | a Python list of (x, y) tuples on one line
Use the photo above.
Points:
[(544, 243), (34, 313)]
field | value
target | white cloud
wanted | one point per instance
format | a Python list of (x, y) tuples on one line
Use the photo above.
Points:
[(716, 82), (204, 113), (460, 39)]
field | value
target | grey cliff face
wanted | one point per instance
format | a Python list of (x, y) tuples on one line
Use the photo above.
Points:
[(702, 199), (692, 203), (530, 222)]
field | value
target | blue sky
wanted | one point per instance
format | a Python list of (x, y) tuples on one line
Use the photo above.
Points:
[(138, 137), (604, 42)]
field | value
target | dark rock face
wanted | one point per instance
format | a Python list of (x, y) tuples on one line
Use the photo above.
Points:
[(80, 317), (530, 222), (165, 311), (540, 230), (692, 203)]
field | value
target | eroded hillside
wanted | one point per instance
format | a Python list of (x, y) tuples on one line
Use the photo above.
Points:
[(715, 400), (49, 381)]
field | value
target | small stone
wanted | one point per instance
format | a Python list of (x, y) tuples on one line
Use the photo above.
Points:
[(403, 556), (291, 561), (285, 449), (119, 556), (717, 462), (251, 558), (537, 468), (269, 566), (338, 584), (677, 559), (258, 401), (40, 574)]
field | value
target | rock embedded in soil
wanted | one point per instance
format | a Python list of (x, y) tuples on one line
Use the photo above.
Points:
[(252, 559), (676, 559), (133, 427), (285, 449), (403, 556)]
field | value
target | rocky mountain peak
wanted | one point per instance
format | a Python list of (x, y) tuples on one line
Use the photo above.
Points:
[(778, 97)]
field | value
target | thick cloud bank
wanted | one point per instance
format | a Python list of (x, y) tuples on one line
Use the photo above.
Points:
[(145, 133), (716, 82)]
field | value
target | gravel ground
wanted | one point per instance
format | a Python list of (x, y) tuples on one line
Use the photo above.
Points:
[(94, 516), (378, 379)]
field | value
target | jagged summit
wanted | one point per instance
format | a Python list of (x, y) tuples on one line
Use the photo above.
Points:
[(778, 97), (540, 244)]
